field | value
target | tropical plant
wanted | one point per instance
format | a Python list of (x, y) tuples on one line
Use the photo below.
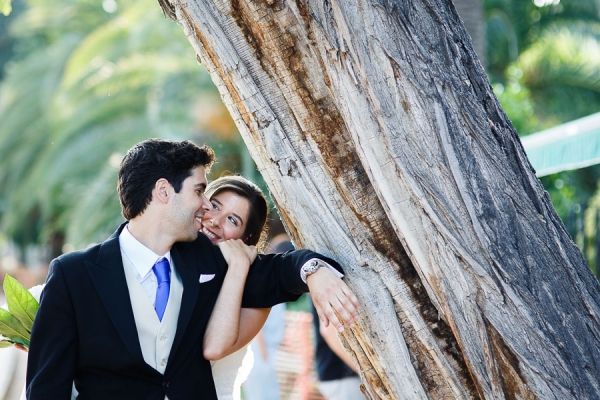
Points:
[(5, 7), (16, 317), (542, 59), (79, 92)]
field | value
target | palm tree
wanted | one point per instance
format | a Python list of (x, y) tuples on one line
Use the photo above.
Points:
[(82, 91), (543, 59)]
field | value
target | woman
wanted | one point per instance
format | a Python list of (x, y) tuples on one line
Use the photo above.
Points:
[(237, 218)]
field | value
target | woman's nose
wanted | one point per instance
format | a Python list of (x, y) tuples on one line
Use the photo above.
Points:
[(215, 221)]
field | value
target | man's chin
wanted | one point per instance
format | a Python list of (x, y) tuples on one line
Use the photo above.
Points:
[(190, 238)]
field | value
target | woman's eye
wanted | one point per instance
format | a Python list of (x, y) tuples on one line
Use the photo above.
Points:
[(214, 206), (232, 220)]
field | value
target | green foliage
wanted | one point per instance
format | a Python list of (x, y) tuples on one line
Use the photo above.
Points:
[(16, 322), (86, 84), (517, 102), (545, 57), (20, 302), (543, 61), (512, 26), (5, 7), (12, 329), (561, 68)]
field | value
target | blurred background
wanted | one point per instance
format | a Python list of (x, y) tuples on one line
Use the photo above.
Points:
[(81, 81)]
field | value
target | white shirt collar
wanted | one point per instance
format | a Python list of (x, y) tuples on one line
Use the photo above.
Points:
[(142, 258)]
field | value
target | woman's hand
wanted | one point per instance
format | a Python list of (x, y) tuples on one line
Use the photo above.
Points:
[(237, 253), (22, 348)]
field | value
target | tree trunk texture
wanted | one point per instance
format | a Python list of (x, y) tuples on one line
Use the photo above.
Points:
[(383, 146), (471, 13)]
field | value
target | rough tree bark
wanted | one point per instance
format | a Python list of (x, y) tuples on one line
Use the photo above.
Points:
[(471, 13), (380, 139)]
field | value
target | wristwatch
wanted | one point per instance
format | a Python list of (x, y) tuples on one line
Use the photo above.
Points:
[(309, 268)]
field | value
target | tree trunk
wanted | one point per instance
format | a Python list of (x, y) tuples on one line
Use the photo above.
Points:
[(471, 13), (377, 132)]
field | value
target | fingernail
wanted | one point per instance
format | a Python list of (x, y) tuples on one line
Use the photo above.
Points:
[(341, 329)]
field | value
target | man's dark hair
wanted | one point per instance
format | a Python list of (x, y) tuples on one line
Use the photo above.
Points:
[(153, 159)]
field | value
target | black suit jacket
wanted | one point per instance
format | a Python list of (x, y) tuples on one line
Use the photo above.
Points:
[(85, 330)]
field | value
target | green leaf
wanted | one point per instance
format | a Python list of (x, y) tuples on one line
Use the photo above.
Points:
[(21, 303), (12, 328), (5, 343), (22, 342), (5, 7)]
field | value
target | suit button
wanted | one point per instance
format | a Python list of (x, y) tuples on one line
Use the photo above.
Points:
[(166, 384)]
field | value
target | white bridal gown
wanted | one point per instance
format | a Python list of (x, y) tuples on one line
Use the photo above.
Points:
[(230, 372)]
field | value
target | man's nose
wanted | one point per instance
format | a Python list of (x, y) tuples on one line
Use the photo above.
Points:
[(206, 206)]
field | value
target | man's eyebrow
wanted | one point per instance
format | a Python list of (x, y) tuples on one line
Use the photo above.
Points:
[(201, 186)]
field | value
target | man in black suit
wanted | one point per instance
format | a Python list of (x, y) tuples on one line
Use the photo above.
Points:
[(118, 328)]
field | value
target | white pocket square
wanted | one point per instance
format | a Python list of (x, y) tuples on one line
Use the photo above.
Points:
[(206, 278)]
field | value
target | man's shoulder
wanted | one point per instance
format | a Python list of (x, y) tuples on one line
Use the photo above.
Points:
[(77, 257), (109, 248)]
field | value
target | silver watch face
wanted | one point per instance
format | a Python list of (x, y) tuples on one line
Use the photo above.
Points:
[(310, 268)]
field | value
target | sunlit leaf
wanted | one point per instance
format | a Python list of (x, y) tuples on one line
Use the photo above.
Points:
[(20, 302), (12, 328), (5, 7)]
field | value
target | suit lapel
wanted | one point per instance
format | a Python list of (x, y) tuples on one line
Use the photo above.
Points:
[(109, 280), (189, 278)]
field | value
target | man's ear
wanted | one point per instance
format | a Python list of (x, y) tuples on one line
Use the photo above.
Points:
[(162, 190)]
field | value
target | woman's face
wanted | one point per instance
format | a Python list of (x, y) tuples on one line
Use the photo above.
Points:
[(227, 218)]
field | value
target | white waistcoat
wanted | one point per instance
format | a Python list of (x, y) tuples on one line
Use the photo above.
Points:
[(156, 337)]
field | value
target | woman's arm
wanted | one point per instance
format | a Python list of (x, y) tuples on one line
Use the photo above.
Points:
[(251, 321), (223, 335)]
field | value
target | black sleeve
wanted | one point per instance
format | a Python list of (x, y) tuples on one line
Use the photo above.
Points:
[(275, 278), (53, 349)]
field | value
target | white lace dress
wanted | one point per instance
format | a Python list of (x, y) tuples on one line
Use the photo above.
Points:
[(230, 372)]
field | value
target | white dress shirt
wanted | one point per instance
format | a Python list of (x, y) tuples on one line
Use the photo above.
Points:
[(142, 259)]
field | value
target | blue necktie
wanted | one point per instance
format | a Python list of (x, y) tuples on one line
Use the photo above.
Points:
[(162, 271)]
